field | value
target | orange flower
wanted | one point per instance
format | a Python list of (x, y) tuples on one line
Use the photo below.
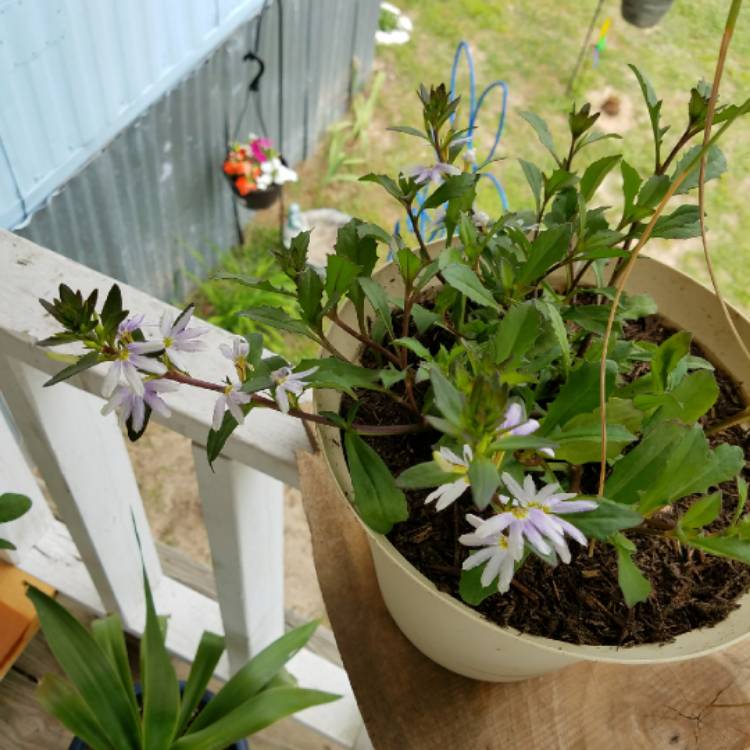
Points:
[(233, 167), (244, 186)]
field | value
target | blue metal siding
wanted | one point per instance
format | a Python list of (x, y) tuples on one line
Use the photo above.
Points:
[(153, 207), (75, 72)]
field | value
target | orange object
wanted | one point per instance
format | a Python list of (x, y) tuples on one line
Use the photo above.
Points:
[(244, 186), (18, 620)]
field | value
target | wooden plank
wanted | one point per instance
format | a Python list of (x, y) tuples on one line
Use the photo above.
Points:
[(16, 476), (176, 564), (267, 442), (410, 703), (84, 462), (54, 559), (243, 511)]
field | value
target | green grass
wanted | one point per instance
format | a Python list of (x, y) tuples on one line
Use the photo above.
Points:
[(533, 46)]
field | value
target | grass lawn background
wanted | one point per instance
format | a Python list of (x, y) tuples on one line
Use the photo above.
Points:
[(533, 47)]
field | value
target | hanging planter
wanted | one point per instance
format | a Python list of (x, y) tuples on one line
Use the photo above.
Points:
[(256, 172), (645, 13)]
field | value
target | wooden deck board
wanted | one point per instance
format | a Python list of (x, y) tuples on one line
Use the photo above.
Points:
[(25, 726)]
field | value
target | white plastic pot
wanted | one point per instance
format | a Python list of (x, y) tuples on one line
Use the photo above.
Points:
[(459, 638)]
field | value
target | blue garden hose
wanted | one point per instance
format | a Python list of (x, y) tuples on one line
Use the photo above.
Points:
[(475, 106)]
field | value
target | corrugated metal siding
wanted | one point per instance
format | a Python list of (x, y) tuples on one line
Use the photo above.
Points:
[(153, 206), (75, 72)]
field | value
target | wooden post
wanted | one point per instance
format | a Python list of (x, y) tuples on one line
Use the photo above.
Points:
[(244, 515), (16, 476), (83, 460)]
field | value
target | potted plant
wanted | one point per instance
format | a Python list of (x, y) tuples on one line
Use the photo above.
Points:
[(99, 702), (256, 172), (538, 426)]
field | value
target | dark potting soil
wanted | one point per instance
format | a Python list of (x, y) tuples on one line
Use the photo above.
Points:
[(581, 602)]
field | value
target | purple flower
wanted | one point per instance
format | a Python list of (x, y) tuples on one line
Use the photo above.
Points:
[(129, 360), (446, 494), (238, 351), (515, 423), (287, 382), (233, 398), (130, 324), (132, 405), (533, 517), (496, 552), (177, 338), (433, 173)]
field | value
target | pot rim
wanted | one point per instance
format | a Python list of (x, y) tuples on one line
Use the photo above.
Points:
[(688, 645)]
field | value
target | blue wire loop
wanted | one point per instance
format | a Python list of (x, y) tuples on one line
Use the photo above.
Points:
[(475, 106)]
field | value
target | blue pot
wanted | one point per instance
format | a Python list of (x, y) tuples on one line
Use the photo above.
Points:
[(77, 744)]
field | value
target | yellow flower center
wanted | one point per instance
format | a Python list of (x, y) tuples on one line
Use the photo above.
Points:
[(168, 341), (519, 512), (124, 354), (448, 466)]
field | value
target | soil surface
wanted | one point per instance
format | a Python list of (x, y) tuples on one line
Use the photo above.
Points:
[(581, 602)]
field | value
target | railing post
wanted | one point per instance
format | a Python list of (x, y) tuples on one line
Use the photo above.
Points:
[(16, 476), (244, 515), (83, 460)]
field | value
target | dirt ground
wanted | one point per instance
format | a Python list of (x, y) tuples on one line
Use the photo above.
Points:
[(163, 464)]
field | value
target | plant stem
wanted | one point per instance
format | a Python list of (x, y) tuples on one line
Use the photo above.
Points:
[(628, 267), (366, 340), (425, 255), (267, 403)]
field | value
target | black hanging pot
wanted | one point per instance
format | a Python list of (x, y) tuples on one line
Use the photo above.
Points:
[(256, 200), (78, 744), (645, 13)]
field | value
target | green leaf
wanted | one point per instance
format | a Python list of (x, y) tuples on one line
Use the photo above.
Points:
[(463, 279), (702, 512), (449, 400), (634, 585), (112, 313), (217, 438), (522, 442), (724, 546), (558, 180), (607, 519), (427, 474), (580, 438), (668, 356), (716, 165), (161, 691), (484, 481), (631, 182), (682, 224), (579, 395), (262, 285), (688, 402), (595, 174), (546, 250), (310, 296), (516, 333), (253, 676), (341, 273), (671, 461), (275, 317), (552, 314), (414, 346), (409, 131), (452, 187), (108, 633), (61, 700), (338, 374), (408, 263), (87, 667), (535, 179), (5, 544), (386, 183), (470, 586), (13, 506), (654, 109), (377, 499), (542, 131), (204, 664), (423, 318), (255, 714), (379, 301), (84, 363)]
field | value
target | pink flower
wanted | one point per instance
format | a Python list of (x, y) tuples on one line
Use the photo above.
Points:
[(259, 147)]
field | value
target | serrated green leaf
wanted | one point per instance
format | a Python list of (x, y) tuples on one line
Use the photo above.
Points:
[(452, 187), (595, 174), (463, 279), (702, 512), (547, 249), (716, 165)]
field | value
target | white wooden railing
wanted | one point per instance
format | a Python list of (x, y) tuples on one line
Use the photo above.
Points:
[(92, 555)]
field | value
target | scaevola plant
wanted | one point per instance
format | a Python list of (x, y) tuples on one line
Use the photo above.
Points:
[(492, 347)]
